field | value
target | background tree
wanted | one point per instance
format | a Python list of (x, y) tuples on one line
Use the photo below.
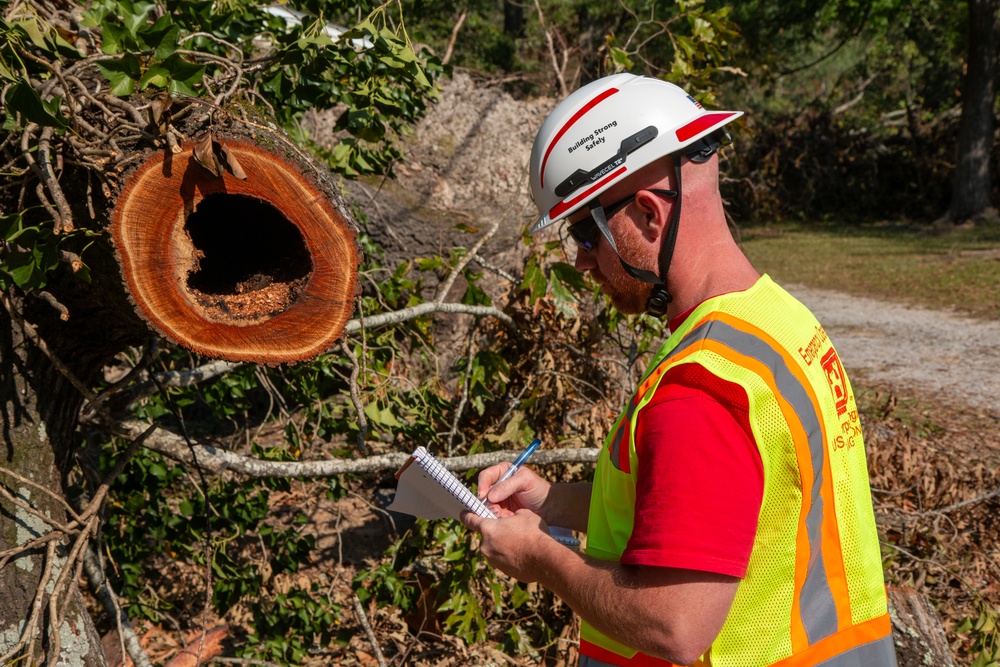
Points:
[(859, 98), (971, 196)]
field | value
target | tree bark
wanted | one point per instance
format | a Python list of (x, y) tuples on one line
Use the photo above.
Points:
[(38, 408), (513, 18), (920, 640), (971, 186)]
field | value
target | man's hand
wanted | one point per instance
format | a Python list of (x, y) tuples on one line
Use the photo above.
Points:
[(515, 543), (524, 490)]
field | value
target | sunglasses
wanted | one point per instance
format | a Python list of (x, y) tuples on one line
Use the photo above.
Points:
[(586, 232)]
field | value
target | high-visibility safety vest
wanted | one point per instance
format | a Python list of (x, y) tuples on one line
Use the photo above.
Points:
[(814, 593)]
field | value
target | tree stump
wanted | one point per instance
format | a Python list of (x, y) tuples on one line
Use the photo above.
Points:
[(920, 640), (261, 269)]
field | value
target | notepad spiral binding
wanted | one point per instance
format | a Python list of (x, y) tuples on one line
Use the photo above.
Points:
[(435, 469)]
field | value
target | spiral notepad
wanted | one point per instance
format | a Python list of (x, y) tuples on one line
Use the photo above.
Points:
[(426, 489)]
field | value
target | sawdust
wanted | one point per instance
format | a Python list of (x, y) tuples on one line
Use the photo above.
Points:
[(254, 300)]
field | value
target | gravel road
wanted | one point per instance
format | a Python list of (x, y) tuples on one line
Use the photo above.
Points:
[(933, 352)]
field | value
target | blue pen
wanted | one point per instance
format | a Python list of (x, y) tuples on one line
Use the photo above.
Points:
[(518, 462)]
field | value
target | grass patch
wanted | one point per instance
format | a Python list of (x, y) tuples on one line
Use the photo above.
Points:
[(957, 270)]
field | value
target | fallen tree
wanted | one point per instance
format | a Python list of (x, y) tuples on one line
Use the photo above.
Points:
[(150, 188)]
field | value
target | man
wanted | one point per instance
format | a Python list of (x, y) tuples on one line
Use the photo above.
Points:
[(730, 519)]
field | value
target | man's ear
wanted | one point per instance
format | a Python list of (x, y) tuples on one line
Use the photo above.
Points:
[(655, 212)]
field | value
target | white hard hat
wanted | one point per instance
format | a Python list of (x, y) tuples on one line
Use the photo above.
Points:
[(609, 129)]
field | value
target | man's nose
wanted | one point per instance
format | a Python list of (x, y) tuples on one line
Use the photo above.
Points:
[(585, 261)]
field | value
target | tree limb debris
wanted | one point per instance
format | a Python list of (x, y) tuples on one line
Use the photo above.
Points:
[(363, 620), (100, 588), (217, 460), (427, 308)]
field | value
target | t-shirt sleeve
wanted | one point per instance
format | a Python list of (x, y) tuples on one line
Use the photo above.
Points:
[(700, 479)]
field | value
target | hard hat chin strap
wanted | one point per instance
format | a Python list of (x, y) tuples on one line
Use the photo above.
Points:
[(597, 212), (660, 298)]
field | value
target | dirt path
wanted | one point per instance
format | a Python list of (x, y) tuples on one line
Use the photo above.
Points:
[(933, 352)]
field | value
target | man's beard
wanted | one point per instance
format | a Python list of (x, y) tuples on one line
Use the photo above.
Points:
[(628, 294)]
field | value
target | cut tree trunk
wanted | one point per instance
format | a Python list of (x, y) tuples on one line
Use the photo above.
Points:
[(236, 246), (260, 269), (38, 408), (920, 639)]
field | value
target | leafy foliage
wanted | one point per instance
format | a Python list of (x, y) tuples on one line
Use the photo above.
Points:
[(31, 252), (985, 631), (684, 41), (201, 52)]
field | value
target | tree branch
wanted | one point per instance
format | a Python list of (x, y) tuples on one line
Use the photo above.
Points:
[(421, 309), (100, 588), (215, 460), (559, 72), (454, 36)]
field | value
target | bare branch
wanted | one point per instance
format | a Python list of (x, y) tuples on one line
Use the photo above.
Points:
[(356, 396), (495, 269), (465, 391), (216, 460), (363, 619), (457, 271), (965, 503), (187, 378), (454, 36), (559, 72), (99, 586), (427, 308)]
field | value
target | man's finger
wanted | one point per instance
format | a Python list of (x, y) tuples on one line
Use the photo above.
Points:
[(471, 520)]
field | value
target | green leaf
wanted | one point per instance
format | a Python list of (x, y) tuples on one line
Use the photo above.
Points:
[(184, 76), (22, 270), (519, 596), (157, 75), (34, 33), (161, 37), (620, 59), (10, 225), (568, 275), (133, 14), (534, 279), (94, 16), (116, 39), (25, 101), (6, 72), (122, 74)]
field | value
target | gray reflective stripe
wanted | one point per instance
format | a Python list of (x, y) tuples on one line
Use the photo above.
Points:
[(587, 661), (879, 653), (623, 428), (817, 608)]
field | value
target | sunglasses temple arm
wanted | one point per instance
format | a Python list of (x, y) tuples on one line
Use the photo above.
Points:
[(602, 223)]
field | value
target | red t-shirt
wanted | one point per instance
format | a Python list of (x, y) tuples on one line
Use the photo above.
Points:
[(700, 479)]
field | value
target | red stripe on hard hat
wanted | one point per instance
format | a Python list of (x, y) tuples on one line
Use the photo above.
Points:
[(587, 107), (700, 124), (556, 210)]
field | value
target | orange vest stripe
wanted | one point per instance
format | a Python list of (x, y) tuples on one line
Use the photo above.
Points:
[(869, 632)]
